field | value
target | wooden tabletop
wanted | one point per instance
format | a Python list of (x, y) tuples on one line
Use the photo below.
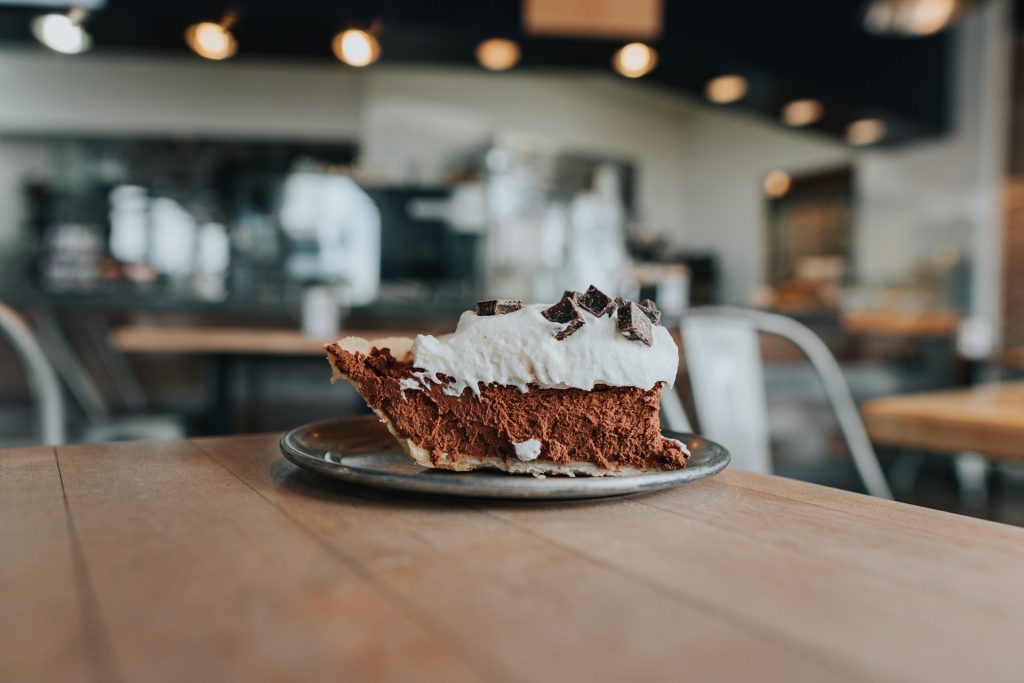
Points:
[(194, 339), (217, 560), (901, 324), (987, 419)]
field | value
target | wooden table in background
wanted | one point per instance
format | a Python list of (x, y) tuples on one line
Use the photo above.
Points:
[(238, 341), (987, 419), (216, 560), (229, 350), (894, 323)]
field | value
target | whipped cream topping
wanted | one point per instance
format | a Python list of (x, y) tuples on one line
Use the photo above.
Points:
[(519, 348), (527, 450)]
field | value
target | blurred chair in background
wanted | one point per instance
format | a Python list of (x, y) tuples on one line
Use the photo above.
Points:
[(723, 359), (44, 379)]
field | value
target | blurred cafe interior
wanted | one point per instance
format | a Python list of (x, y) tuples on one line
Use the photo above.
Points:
[(195, 196)]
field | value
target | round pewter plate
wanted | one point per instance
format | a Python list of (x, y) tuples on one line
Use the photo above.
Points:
[(361, 450)]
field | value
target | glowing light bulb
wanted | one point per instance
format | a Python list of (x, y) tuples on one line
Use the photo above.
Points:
[(726, 89), (910, 17), (356, 47), (802, 112), (865, 131), (62, 32), (776, 184), (635, 60), (497, 54), (211, 40)]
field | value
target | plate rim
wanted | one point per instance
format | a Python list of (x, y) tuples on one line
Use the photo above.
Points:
[(501, 485)]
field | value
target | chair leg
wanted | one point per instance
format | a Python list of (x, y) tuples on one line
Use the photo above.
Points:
[(972, 478), (904, 472)]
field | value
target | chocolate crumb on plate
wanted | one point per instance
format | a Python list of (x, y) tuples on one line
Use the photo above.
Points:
[(596, 301), (562, 312), (650, 310), (573, 325), (498, 306), (634, 323)]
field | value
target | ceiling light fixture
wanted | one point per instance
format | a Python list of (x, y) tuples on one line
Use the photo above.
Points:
[(776, 184), (726, 89), (865, 131), (63, 32), (910, 17), (498, 54), (356, 47), (635, 60), (803, 112), (212, 40)]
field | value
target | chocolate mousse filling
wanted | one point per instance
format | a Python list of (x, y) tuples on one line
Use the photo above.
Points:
[(611, 427)]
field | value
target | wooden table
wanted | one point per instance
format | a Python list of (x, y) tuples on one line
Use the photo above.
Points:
[(229, 351), (987, 419), (895, 323), (216, 560), (237, 341)]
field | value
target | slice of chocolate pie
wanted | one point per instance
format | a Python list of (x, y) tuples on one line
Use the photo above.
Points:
[(572, 388)]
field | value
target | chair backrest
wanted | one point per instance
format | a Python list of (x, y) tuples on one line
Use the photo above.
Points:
[(42, 379), (727, 378), (723, 360)]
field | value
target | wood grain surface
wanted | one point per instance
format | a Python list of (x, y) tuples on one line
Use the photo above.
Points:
[(987, 419), (900, 324), (193, 339), (216, 559)]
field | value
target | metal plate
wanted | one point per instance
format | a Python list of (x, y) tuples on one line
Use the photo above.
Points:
[(363, 452)]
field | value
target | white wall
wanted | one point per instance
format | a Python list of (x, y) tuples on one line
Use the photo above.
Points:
[(42, 92), (416, 118), (408, 120), (726, 158), (949, 191)]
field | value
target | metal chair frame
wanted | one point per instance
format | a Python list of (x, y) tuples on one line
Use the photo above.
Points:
[(751, 322), (42, 379)]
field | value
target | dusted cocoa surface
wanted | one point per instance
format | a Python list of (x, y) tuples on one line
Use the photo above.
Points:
[(609, 426)]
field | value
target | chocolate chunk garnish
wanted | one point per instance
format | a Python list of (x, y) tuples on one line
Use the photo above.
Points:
[(565, 312), (596, 301), (575, 296), (634, 323), (562, 312), (650, 310), (498, 306), (573, 325)]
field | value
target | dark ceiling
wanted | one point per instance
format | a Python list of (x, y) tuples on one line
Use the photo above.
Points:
[(786, 49)]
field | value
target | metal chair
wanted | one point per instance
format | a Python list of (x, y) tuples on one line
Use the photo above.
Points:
[(57, 366), (43, 382), (723, 359)]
